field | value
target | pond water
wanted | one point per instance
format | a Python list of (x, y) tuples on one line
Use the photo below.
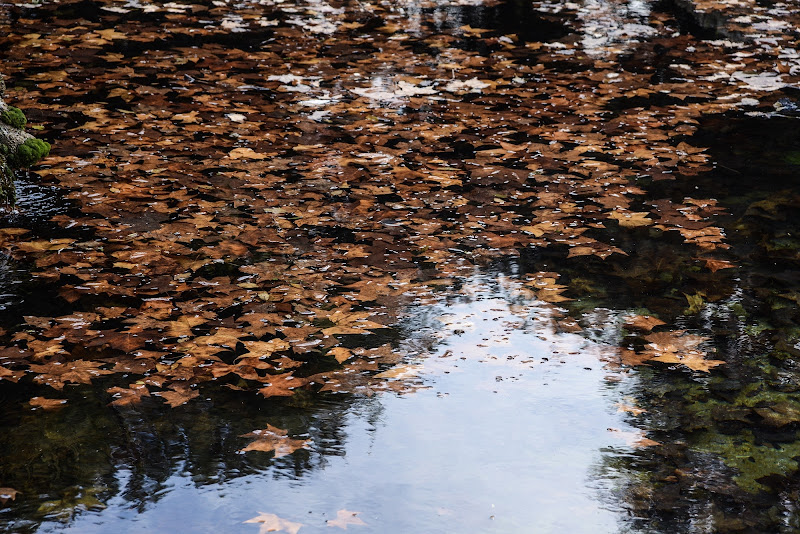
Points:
[(422, 266), (509, 434)]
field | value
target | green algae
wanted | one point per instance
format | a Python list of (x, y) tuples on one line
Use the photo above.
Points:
[(13, 117), (30, 152)]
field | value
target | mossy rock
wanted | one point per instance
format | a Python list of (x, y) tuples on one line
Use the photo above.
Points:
[(29, 153), (13, 117)]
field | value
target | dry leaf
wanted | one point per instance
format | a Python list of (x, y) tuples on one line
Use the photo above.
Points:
[(7, 494), (180, 394), (275, 440), (47, 404), (643, 322), (341, 354), (715, 265)]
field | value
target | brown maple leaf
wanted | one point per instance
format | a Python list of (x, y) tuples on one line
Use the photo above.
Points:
[(282, 385), (678, 347), (643, 322), (631, 219), (11, 376), (674, 341), (695, 362), (345, 518), (47, 404), (275, 440), (7, 494), (266, 348), (341, 354), (179, 394), (632, 358), (128, 396), (57, 374), (715, 265)]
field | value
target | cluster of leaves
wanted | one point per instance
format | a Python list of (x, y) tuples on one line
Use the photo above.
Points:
[(671, 346), (267, 185), (266, 191)]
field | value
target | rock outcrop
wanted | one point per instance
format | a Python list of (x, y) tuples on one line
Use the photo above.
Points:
[(17, 148)]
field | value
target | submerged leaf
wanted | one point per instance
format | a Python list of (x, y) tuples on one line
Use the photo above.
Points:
[(47, 404), (179, 394)]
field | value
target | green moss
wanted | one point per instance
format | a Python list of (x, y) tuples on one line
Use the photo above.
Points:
[(13, 117), (29, 153)]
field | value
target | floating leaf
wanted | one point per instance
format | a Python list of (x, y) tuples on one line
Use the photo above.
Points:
[(716, 265), (643, 322), (630, 219), (128, 396), (273, 523), (7, 494), (275, 440), (679, 347), (344, 518), (179, 394), (341, 354)]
